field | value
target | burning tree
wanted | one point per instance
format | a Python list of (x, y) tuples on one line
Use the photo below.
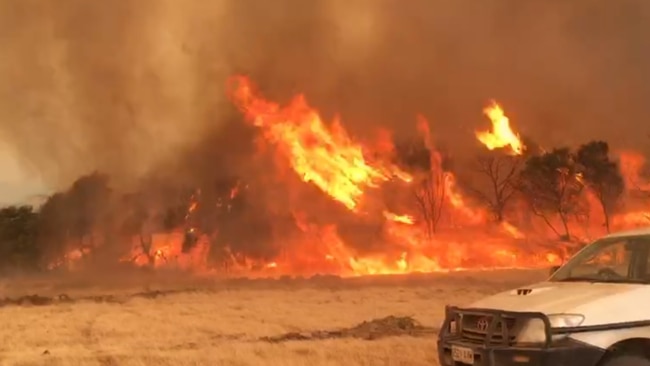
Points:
[(501, 164), (550, 182), (430, 186), (52, 225), (430, 196), (501, 172), (601, 175), (135, 223), (88, 199)]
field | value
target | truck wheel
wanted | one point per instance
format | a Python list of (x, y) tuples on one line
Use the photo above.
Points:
[(625, 360)]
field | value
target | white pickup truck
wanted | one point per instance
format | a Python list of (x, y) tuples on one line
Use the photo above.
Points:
[(592, 311)]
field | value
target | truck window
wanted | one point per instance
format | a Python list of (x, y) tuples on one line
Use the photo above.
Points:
[(615, 256), (608, 260)]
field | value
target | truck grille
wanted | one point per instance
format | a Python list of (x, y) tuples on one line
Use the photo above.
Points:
[(474, 329)]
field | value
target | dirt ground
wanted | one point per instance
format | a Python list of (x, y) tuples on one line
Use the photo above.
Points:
[(286, 322)]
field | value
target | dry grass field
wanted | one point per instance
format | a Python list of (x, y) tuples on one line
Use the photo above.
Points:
[(226, 322)]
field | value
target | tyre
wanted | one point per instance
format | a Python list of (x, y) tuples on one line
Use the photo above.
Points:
[(625, 360)]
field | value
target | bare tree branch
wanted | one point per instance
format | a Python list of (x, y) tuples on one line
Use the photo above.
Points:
[(430, 195), (500, 172)]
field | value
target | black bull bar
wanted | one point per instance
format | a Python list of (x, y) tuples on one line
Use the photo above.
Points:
[(498, 344), (497, 325)]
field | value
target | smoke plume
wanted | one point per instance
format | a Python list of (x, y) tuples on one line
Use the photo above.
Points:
[(135, 87)]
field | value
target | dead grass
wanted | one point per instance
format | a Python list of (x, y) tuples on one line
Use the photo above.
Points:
[(224, 323)]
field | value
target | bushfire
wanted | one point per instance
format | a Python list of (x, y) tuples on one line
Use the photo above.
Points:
[(426, 218)]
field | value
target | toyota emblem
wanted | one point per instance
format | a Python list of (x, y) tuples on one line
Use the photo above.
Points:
[(483, 324)]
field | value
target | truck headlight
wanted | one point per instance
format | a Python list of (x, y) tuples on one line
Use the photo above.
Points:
[(533, 330)]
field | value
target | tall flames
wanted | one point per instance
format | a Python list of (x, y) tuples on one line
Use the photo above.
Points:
[(437, 227), (501, 134), (322, 155)]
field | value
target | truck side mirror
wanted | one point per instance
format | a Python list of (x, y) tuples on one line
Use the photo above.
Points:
[(553, 270)]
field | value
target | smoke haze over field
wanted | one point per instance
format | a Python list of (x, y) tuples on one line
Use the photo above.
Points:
[(128, 87)]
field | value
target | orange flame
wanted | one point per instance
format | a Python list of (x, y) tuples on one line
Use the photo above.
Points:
[(501, 135), (322, 155), (404, 219)]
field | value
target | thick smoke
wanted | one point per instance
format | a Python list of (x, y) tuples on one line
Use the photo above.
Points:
[(134, 87)]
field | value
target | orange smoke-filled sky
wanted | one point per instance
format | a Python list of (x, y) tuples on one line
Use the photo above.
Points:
[(17, 184), (127, 86)]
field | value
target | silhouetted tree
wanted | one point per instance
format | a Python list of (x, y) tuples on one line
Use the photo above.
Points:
[(54, 221), (429, 188), (602, 175), (550, 184), (135, 216), (18, 245), (88, 200), (430, 196), (244, 226), (501, 172), (75, 215)]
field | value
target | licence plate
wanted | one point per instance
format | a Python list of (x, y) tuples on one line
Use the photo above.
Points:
[(462, 354)]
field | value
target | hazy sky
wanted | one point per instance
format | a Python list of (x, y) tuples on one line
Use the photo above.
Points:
[(16, 184)]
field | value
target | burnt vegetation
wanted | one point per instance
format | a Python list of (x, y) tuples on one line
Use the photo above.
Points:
[(103, 224)]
